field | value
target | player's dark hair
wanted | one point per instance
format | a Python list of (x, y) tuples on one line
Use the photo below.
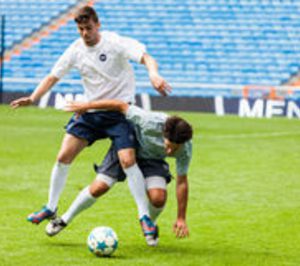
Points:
[(84, 14), (177, 130)]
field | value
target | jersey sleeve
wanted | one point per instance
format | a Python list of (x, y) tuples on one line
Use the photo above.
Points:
[(64, 63), (132, 49), (184, 159)]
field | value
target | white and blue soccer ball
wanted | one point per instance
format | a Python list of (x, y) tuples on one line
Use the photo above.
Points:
[(102, 241)]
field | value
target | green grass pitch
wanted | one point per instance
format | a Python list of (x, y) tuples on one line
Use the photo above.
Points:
[(244, 200)]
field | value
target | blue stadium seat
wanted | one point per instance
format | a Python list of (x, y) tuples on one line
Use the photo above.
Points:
[(29, 16), (209, 42)]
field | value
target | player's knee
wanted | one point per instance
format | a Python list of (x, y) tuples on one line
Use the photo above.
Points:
[(158, 202), (65, 157), (158, 198), (127, 162), (64, 160), (126, 157), (98, 188)]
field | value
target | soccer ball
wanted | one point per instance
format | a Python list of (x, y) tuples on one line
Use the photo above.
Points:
[(102, 241)]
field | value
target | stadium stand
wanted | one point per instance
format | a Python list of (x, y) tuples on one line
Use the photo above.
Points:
[(230, 42), (25, 17)]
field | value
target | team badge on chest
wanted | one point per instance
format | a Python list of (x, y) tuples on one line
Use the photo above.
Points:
[(102, 57)]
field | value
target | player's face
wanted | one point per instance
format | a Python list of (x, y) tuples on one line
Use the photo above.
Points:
[(89, 32), (171, 147)]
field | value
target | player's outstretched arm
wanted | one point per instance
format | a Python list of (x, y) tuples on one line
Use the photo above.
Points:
[(81, 107), (46, 84), (180, 227), (158, 82)]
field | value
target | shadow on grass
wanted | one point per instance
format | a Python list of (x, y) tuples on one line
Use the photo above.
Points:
[(181, 252), (65, 244), (80, 247)]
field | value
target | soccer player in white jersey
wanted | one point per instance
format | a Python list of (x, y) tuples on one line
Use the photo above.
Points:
[(102, 58), (158, 136)]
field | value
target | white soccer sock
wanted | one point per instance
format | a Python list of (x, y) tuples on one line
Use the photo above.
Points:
[(136, 185), (154, 211), (57, 183), (83, 201)]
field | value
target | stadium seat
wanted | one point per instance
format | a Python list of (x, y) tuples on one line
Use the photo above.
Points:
[(231, 42)]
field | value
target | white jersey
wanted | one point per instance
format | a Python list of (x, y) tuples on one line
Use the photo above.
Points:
[(105, 69), (149, 133)]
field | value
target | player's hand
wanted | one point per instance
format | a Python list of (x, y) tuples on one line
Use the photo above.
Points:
[(180, 228), (24, 101), (160, 84)]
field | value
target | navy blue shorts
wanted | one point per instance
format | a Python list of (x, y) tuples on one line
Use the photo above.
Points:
[(101, 125), (111, 167)]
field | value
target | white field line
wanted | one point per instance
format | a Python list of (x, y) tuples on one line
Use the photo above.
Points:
[(252, 135)]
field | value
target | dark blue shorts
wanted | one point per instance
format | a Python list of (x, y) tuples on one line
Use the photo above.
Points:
[(101, 125), (111, 167)]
